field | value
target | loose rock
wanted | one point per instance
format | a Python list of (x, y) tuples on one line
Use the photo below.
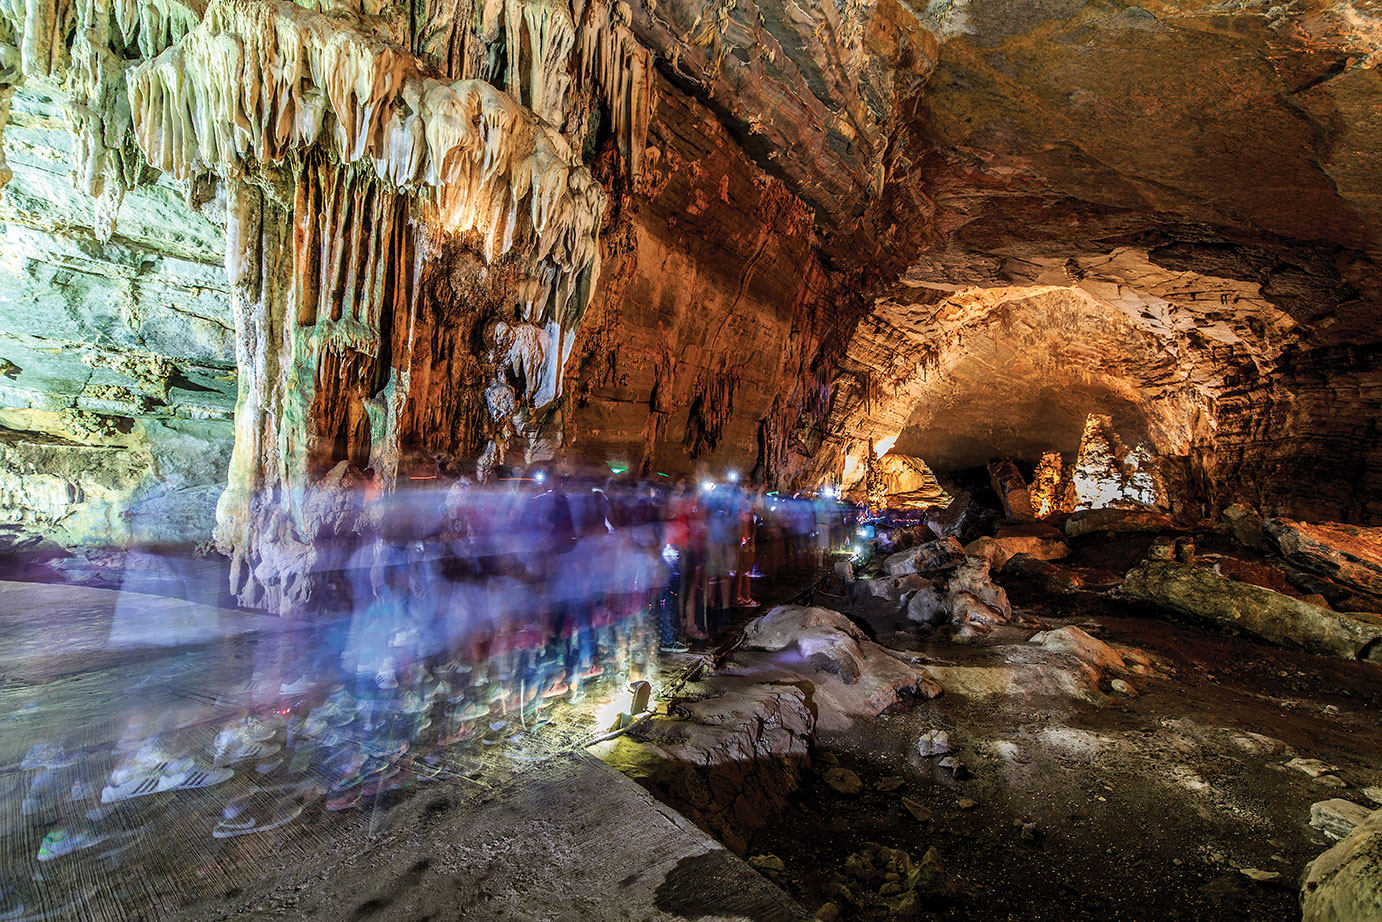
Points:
[(1123, 688), (920, 812), (1259, 875), (843, 780), (933, 743), (1336, 818)]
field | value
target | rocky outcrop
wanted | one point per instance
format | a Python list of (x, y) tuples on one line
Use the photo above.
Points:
[(1200, 591), (1011, 489), (1036, 539), (117, 365), (927, 558), (1337, 817), (734, 759), (1058, 664), (739, 741), (850, 675), (1345, 883), (974, 601), (1118, 521), (1345, 554), (905, 483)]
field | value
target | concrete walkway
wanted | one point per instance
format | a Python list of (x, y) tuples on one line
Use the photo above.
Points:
[(532, 829)]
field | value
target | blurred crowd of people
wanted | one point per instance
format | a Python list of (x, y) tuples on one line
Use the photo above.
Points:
[(473, 612)]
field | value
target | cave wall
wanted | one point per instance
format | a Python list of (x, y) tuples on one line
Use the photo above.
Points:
[(706, 313), (118, 358)]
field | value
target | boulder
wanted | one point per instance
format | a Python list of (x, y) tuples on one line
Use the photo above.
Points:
[(886, 588), (1117, 521), (900, 563), (1345, 883), (1336, 818), (973, 602), (938, 556), (1036, 539), (1089, 650), (1346, 554), (1202, 591), (1058, 578), (934, 743), (926, 606), (844, 569), (1011, 488), (850, 675), (1246, 525), (959, 519), (972, 578)]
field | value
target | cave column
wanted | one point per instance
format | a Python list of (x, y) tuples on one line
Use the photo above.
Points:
[(258, 265)]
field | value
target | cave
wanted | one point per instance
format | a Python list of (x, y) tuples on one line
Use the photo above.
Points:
[(850, 460)]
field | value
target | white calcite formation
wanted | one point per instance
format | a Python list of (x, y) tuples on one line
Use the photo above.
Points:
[(1109, 474), (371, 203), (259, 80)]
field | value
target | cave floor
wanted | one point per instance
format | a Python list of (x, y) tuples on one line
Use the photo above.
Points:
[(1158, 806), (1151, 807), (529, 828)]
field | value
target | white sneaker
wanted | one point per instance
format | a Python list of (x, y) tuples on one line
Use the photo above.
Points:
[(238, 744), (194, 777)]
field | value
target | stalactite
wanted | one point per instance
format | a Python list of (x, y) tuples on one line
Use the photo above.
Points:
[(539, 33), (613, 59), (257, 80), (710, 409)]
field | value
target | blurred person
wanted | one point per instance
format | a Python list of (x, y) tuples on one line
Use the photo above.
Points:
[(747, 513)]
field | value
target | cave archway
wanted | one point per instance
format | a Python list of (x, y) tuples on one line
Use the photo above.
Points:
[(958, 374)]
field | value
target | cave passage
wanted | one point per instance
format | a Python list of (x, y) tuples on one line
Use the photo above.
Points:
[(690, 459)]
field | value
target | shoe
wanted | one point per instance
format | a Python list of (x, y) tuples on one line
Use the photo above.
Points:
[(140, 775), (60, 842), (295, 689), (191, 777), (675, 646), (260, 810), (343, 800), (257, 728), (47, 755), (240, 743)]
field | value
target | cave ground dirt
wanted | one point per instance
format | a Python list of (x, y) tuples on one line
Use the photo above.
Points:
[(1146, 808)]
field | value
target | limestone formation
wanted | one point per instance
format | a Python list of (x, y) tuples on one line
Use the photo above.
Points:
[(1200, 591), (1337, 817), (906, 483), (1345, 883), (1346, 554), (974, 602), (1053, 487), (1011, 488), (1118, 521), (1035, 539), (852, 676)]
